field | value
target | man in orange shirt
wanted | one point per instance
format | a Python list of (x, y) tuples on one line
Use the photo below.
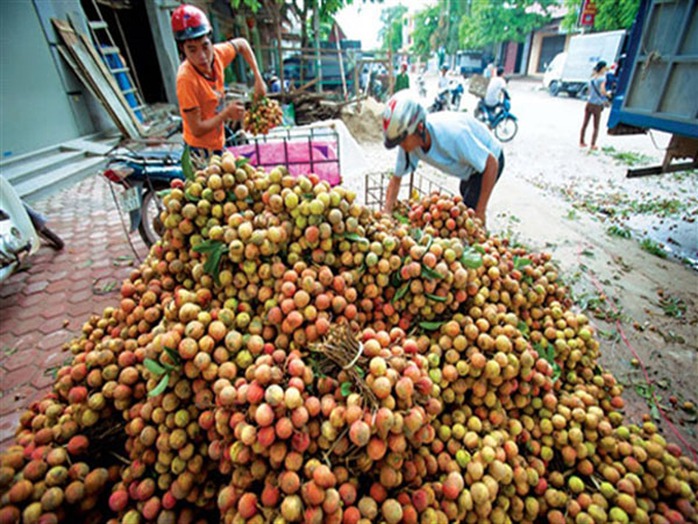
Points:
[(200, 89)]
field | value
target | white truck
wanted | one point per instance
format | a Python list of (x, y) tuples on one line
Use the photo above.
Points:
[(570, 71)]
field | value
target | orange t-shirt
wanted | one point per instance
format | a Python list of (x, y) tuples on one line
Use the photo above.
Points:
[(194, 90)]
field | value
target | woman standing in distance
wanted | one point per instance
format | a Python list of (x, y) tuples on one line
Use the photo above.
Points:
[(200, 88)]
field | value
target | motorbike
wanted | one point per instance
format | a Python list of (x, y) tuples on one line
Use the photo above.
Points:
[(421, 85), (21, 231), (448, 98), (498, 118), (146, 171), (143, 173)]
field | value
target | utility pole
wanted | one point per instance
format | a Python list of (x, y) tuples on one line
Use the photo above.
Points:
[(316, 30)]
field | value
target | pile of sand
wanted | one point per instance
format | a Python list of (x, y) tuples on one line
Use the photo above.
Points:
[(364, 120)]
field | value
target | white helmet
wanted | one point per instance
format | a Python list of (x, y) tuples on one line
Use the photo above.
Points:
[(401, 117)]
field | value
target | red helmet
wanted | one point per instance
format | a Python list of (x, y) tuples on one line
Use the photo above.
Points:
[(189, 22)]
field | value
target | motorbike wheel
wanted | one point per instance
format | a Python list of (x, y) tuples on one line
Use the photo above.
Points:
[(51, 238), (151, 227), (506, 129), (554, 88)]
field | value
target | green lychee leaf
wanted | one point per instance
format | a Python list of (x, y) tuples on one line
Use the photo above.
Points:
[(401, 219), (430, 273), (187, 167), (162, 385), (355, 237), (154, 367), (430, 326), (435, 298), (345, 389), (173, 355), (241, 161), (401, 292), (471, 258)]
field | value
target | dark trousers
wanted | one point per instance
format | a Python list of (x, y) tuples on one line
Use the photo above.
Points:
[(470, 189), (591, 110)]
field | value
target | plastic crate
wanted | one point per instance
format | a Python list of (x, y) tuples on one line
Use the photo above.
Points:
[(301, 151), (413, 186)]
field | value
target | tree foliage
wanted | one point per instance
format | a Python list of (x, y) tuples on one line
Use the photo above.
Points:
[(494, 21), (426, 24), (390, 33), (610, 14)]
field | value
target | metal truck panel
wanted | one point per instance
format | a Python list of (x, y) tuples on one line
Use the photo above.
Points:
[(585, 51), (658, 87)]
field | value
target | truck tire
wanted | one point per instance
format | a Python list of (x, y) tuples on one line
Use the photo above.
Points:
[(554, 88)]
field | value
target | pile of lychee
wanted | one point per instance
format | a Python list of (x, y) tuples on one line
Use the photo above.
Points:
[(285, 354), (263, 115)]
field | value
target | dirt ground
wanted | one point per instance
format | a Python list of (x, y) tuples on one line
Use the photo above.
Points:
[(627, 248)]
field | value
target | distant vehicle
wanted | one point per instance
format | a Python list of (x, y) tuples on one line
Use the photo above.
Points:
[(570, 72), (656, 88), (331, 72), (471, 62)]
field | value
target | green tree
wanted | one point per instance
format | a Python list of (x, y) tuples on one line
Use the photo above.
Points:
[(494, 21), (390, 33), (426, 24), (610, 14)]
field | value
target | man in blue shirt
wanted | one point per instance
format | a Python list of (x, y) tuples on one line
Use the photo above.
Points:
[(455, 143)]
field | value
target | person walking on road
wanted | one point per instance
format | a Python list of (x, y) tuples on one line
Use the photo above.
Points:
[(402, 80), (598, 98), (454, 142), (200, 88)]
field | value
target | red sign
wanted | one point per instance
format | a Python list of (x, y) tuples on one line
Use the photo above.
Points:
[(588, 13)]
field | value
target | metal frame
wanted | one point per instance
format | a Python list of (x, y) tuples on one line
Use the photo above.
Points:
[(638, 58), (377, 184)]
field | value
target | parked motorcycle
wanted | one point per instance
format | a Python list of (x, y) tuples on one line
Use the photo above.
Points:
[(499, 118), (21, 231), (146, 171), (143, 173)]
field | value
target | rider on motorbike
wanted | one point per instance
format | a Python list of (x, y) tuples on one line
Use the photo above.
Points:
[(496, 89), (200, 88)]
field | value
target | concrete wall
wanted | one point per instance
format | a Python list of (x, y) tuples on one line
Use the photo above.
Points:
[(41, 101)]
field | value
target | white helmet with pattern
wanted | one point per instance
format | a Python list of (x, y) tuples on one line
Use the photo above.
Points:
[(401, 117)]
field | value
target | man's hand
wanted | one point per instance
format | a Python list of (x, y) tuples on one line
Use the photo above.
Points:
[(480, 213), (234, 111), (260, 88)]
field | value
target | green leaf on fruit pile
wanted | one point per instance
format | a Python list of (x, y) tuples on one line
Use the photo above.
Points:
[(430, 326), (401, 292), (173, 355), (435, 298), (157, 390), (187, 167), (523, 328), (417, 234), (345, 389), (521, 262), (360, 371), (215, 249), (395, 279), (401, 219), (430, 273), (471, 258), (355, 237), (430, 241), (154, 367), (241, 162), (479, 248)]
